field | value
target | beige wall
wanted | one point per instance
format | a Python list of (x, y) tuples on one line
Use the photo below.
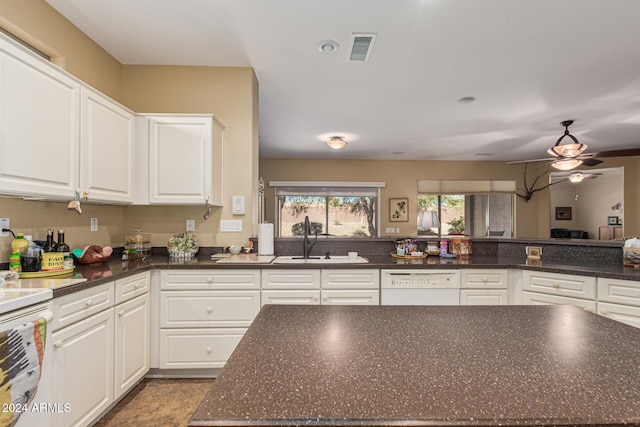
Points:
[(229, 93), (532, 218)]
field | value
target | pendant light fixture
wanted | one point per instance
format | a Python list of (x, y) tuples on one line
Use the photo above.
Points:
[(336, 142), (576, 177), (570, 150), (566, 164)]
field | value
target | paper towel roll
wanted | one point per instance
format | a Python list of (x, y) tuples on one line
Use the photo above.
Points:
[(265, 239)]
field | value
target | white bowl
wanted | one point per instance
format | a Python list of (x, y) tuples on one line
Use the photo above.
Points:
[(235, 250)]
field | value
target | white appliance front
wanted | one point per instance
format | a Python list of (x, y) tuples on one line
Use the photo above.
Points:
[(38, 412), (419, 287)]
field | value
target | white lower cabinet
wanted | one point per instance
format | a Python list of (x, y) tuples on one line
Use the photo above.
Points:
[(83, 369), (100, 347), (535, 298), (619, 300), (483, 287), (203, 315), (132, 328), (553, 288), (326, 286)]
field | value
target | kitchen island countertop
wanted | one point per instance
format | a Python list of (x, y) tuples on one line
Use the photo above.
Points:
[(473, 365)]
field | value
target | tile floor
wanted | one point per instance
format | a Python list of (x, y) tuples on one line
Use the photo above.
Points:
[(158, 402)]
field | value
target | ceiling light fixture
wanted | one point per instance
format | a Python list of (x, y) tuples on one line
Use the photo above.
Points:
[(328, 46), (336, 142), (576, 177), (572, 149), (566, 164)]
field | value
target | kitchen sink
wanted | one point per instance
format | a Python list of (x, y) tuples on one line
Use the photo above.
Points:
[(333, 259)]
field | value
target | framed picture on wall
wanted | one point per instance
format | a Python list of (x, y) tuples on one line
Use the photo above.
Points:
[(612, 220), (399, 209), (563, 213)]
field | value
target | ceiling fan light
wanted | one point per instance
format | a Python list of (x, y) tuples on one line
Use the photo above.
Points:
[(576, 177), (566, 164), (567, 150), (336, 142)]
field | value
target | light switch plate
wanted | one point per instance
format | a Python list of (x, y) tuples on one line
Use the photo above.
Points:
[(94, 224), (231, 226), (191, 225)]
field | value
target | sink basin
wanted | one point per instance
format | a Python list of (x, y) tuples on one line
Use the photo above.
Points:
[(334, 259)]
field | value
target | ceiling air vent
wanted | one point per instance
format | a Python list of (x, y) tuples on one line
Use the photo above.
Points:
[(360, 46)]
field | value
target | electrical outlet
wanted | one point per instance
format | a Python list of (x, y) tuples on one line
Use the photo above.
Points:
[(230, 226), (390, 230), (191, 225), (94, 224), (5, 223)]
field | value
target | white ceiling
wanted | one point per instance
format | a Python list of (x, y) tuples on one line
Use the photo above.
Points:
[(530, 63)]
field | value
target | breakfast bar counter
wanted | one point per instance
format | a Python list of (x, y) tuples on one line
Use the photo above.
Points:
[(428, 365)]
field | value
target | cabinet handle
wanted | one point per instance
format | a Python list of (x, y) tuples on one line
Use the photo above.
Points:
[(135, 286), (121, 313), (209, 349), (315, 298), (325, 298), (210, 279), (58, 344), (589, 309), (485, 280), (88, 303), (209, 309), (604, 312), (556, 285)]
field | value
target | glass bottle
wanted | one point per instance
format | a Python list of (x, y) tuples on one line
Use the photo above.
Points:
[(64, 248), (50, 245)]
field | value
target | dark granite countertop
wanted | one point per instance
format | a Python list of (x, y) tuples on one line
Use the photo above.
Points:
[(435, 365), (115, 269)]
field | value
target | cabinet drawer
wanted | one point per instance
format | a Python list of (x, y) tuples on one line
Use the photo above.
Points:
[(559, 284), (350, 297), (185, 309), (291, 279), (198, 348), (350, 279), (484, 279), (80, 305), (297, 297), (133, 286), (619, 291), (209, 279), (483, 297), (535, 298), (622, 313)]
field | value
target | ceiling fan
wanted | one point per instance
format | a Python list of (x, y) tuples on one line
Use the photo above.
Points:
[(574, 176), (571, 155)]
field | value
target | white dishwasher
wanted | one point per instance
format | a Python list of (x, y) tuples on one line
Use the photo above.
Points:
[(419, 287)]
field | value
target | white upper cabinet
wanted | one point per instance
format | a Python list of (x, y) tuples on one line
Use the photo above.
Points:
[(39, 129), (184, 159), (106, 147)]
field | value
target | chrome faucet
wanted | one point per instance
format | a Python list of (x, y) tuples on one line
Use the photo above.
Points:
[(307, 245)]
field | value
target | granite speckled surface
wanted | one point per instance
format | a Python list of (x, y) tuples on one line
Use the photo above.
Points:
[(472, 365)]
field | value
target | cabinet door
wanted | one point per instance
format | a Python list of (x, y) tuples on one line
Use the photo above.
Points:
[(193, 309), (535, 298), (350, 297), (210, 279), (622, 313), (484, 279), (83, 369), (132, 286), (106, 146), (198, 348), (297, 297), (39, 138), (483, 297), (131, 343), (180, 159), (625, 292), (291, 279), (559, 284), (350, 279)]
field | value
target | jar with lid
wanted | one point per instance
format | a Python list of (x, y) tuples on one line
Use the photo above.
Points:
[(30, 256), (17, 245)]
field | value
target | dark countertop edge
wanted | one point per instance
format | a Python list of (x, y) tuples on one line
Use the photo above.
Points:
[(114, 270), (411, 422)]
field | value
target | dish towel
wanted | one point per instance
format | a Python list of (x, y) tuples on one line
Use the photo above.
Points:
[(21, 354)]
